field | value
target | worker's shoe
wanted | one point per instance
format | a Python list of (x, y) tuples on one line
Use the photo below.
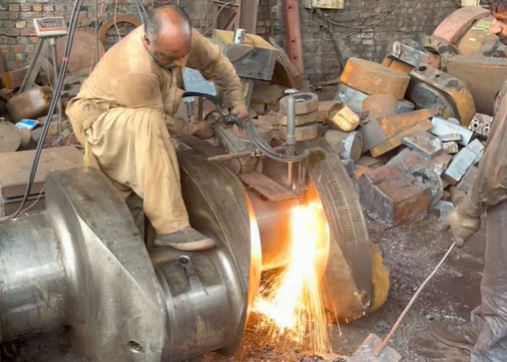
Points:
[(187, 239), (459, 335)]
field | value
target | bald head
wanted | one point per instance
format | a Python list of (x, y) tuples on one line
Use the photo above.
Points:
[(168, 35)]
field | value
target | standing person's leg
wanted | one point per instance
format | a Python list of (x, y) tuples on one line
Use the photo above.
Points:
[(490, 318), (134, 149)]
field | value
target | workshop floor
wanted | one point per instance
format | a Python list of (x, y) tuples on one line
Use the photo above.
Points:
[(411, 253)]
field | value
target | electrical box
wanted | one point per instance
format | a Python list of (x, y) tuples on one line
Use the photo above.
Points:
[(324, 4), (50, 27)]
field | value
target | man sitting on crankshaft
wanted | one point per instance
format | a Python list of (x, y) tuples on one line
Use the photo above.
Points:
[(486, 334), (125, 115)]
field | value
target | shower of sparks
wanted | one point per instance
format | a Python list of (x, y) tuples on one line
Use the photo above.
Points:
[(291, 305)]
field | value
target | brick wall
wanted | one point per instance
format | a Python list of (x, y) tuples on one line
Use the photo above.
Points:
[(17, 35), (364, 28)]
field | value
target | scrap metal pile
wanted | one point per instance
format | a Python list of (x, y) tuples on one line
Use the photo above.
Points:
[(412, 129)]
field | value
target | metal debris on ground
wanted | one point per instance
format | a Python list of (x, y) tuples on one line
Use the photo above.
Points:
[(426, 144), (465, 159)]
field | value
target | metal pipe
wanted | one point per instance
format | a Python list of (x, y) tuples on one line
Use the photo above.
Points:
[(32, 72), (291, 121), (54, 59)]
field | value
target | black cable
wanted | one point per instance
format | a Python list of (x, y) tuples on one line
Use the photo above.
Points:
[(251, 131), (52, 107), (213, 99)]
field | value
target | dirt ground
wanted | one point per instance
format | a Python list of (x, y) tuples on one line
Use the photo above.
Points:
[(410, 253)]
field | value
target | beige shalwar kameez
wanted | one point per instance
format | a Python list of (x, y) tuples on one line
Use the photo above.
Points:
[(125, 114)]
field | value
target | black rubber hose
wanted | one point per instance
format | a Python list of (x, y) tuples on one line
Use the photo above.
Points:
[(209, 97), (251, 131), (52, 107), (258, 141)]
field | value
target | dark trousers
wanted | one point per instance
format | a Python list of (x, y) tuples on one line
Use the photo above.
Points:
[(490, 318)]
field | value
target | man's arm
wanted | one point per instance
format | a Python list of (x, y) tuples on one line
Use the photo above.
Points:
[(140, 90), (490, 186), (215, 66)]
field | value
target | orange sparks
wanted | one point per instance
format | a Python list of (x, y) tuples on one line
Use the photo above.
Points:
[(292, 306)]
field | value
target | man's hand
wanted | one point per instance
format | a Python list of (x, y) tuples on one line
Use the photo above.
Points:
[(240, 111), (203, 130), (463, 227)]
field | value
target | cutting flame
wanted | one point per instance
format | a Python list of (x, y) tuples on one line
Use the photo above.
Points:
[(291, 305)]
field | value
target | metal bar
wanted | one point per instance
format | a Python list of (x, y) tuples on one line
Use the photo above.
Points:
[(248, 10), (293, 34), (34, 67), (291, 124), (54, 59)]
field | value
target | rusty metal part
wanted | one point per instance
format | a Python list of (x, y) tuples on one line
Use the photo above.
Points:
[(454, 27), (455, 91), (30, 104), (408, 159), (348, 279), (254, 59), (266, 186), (10, 138), (396, 140), (475, 38), (14, 78), (293, 34), (380, 105), (305, 103), (392, 195), (324, 109), (425, 96), (349, 146), (343, 118), (484, 76), (351, 97), (286, 73), (300, 119), (110, 23), (234, 144), (302, 133), (412, 56), (397, 65), (232, 156), (437, 45), (424, 143), (373, 78)]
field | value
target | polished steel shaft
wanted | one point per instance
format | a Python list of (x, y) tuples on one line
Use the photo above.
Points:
[(82, 263), (33, 288)]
